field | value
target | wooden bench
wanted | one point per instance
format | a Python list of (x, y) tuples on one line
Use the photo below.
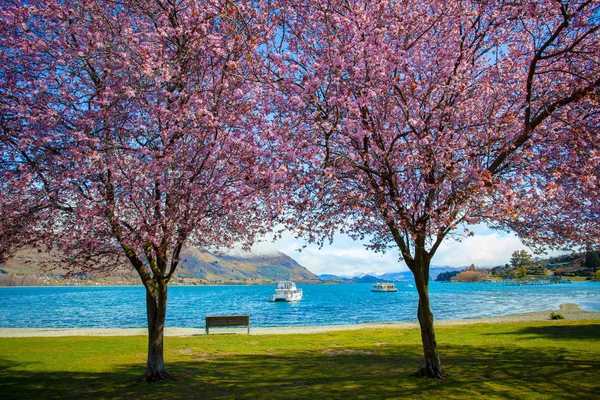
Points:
[(228, 320)]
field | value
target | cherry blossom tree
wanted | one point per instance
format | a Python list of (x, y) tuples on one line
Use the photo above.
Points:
[(129, 130), (405, 121)]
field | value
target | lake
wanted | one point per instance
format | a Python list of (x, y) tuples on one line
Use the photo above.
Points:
[(330, 304)]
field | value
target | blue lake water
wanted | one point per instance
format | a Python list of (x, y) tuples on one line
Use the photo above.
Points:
[(113, 307)]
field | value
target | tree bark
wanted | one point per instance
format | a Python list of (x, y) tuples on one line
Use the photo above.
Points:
[(432, 367), (156, 307)]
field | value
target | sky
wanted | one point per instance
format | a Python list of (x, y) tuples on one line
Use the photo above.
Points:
[(346, 257)]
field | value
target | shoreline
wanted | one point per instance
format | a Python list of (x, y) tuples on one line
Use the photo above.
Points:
[(270, 283), (569, 310)]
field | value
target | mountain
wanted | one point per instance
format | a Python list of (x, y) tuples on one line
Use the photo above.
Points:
[(330, 277), (367, 279), (397, 276), (434, 271), (402, 276), (197, 267), (246, 268)]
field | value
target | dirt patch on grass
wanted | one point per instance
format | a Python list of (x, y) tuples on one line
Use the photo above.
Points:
[(192, 352)]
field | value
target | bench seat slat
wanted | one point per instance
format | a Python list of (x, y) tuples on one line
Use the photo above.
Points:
[(227, 320)]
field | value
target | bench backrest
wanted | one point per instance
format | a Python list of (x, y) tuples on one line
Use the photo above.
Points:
[(228, 320)]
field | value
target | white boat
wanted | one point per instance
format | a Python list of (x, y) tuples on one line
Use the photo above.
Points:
[(286, 291), (383, 287)]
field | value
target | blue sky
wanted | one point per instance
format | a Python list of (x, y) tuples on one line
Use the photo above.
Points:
[(348, 257)]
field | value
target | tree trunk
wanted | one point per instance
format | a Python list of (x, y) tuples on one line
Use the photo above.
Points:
[(156, 307), (432, 367)]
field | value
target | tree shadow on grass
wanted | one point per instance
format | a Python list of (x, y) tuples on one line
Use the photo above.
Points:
[(18, 381), (571, 332), (368, 373)]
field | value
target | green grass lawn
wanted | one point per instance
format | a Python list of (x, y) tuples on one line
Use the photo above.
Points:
[(542, 360)]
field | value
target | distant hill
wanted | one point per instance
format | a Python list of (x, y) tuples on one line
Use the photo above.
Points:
[(367, 279), (330, 277), (355, 279), (197, 267), (397, 276), (246, 268), (402, 276), (434, 271), (582, 264)]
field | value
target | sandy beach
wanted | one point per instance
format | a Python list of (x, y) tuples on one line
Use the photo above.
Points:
[(570, 312)]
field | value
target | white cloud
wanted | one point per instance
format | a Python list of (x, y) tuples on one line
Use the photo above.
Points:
[(344, 257), (348, 257), (482, 250)]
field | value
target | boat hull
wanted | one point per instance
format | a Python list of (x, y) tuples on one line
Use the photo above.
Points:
[(384, 287), (286, 291), (287, 299)]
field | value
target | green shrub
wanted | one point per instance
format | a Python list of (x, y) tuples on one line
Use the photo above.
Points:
[(556, 316)]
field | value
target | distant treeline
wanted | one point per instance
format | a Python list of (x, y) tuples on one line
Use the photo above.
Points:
[(471, 274), (589, 259), (78, 279), (446, 276), (586, 264)]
